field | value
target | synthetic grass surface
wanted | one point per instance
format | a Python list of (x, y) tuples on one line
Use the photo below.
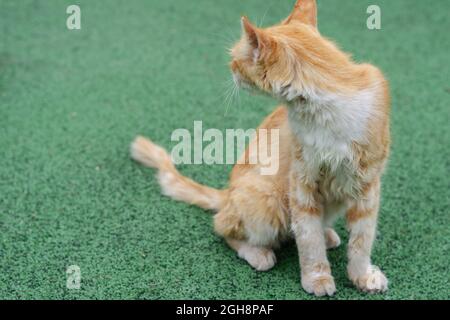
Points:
[(71, 102)]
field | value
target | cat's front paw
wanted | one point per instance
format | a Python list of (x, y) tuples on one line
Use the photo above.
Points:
[(373, 281), (319, 284)]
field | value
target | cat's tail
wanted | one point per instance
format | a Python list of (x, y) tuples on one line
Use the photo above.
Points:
[(172, 183)]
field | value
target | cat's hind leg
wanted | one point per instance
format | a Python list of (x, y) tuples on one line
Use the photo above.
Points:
[(332, 239), (332, 211), (260, 258), (256, 249), (253, 223)]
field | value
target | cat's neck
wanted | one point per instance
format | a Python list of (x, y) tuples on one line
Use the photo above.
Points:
[(324, 119)]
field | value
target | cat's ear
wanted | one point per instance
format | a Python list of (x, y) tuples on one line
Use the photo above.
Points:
[(256, 38), (305, 11)]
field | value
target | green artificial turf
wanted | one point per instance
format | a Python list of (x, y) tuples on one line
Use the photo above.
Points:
[(72, 101)]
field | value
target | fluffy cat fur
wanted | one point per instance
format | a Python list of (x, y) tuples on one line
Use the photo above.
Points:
[(333, 146)]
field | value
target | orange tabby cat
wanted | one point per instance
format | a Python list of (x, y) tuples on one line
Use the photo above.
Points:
[(333, 146)]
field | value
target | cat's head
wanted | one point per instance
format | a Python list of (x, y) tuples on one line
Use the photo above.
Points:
[(288, 59)]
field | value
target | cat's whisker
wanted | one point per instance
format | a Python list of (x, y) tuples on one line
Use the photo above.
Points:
[(236, 92), (222, 40), (232, 94), (228, 95), (225, 39), (264, 16)]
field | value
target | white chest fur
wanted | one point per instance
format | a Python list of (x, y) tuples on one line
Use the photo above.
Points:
[(326, 125)]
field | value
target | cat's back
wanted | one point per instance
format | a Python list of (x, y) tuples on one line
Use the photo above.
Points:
[(273, 135)]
